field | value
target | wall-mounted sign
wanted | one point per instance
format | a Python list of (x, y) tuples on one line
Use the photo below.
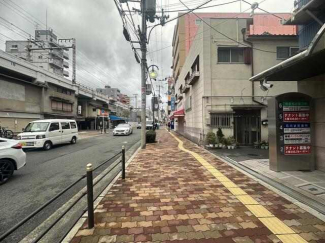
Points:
[(102, 112), (297, 139), (79, 110), (291, 127), (172, 103), (296, 116), (297, 149)]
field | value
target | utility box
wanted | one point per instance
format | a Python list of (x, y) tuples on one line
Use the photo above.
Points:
[(291, 132)]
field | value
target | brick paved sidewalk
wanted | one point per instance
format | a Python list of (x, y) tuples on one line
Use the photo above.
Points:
[(171, 196)]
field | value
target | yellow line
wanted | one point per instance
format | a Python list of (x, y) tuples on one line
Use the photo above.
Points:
[(275, 225)]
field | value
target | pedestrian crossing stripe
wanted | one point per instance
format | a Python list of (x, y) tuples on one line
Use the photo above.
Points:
[(275, 225)]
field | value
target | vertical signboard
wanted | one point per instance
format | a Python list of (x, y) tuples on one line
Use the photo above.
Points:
[(290, 132), (172, 103)]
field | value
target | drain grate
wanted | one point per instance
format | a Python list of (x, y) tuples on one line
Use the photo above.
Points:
[(315, 190)]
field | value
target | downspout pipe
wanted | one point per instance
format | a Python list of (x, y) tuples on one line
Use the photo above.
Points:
[(252, 67)]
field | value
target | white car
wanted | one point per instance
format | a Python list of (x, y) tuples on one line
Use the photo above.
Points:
[(123, 129), (12, 158), (46, 133)]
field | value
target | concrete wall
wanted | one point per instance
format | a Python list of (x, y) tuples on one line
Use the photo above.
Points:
[(315, 87), (20, 103)]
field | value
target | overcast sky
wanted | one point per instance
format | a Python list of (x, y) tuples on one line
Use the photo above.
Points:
[(97, 27)]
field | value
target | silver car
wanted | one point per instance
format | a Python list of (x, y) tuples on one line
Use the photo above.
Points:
[(12, 157), (123, 129)]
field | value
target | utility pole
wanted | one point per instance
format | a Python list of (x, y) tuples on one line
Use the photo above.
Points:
[(143, 46)]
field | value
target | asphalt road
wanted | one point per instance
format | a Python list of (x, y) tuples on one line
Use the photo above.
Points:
[(47, 173)]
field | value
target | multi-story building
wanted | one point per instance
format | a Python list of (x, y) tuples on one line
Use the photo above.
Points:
[(113, 93), (185, 31), (213, 88), (28, 93), (39, 52), (307, 68)]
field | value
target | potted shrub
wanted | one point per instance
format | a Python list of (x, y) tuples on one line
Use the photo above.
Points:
[(220, 137), (232, 142), (151, 136), (256, 145), (263, 143), (211, 139)]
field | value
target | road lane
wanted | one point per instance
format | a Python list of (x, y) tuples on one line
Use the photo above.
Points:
[(49, 172)]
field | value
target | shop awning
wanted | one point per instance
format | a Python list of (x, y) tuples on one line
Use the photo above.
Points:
[(179, 113), (116, 118)]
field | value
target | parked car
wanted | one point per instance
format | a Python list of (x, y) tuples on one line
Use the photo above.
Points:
[(12, 158), (46, 133), (149, 125), (139, 126), (123, 129)]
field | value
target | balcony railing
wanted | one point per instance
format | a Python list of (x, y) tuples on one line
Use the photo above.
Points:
[(66, 55), (194, 77), (66, 73), (65, 64), (186, 88), (55, 62)]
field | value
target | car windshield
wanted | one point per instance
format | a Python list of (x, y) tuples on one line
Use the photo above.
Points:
[(37, 127)]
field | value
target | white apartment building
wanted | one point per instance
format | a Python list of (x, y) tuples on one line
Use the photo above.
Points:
[(213, 89), (53, 60)]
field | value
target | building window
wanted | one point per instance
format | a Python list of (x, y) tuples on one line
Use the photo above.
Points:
[(286, 52), (221, 120), (61, 106), (14, 46), (198, 21), (230, 55)]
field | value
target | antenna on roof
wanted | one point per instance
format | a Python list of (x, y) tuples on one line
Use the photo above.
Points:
[(253, 6)]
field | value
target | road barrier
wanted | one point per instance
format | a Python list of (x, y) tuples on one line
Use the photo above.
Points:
[(89, 192)]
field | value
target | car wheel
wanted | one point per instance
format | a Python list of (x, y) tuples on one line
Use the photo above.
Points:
[(47, 145), (6, 170), (73, 140)]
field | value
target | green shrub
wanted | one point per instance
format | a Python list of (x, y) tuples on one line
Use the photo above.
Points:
[(220, 135), (211, 138), (151, 136)]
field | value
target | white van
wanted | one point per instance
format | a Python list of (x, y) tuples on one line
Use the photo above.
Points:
[(46, 133)]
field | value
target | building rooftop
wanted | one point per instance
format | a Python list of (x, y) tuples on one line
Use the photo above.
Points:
[(267, 24)]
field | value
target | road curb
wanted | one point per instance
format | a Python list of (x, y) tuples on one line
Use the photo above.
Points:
[(55, 233)]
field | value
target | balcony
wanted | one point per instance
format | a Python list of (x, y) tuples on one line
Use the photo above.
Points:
[(186, 88), (56, 53), (194, 77), (65, 73), (55, 62), (66, 55), (65, 64)]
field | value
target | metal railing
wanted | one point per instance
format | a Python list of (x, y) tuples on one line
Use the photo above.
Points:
[(89, 192)]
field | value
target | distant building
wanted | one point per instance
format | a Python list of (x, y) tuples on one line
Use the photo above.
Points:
[(53, 60), (113, 93)]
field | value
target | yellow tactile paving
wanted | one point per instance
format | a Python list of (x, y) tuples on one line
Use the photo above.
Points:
[(247, 200), (291, 238), (259, 211), (276, 226)]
